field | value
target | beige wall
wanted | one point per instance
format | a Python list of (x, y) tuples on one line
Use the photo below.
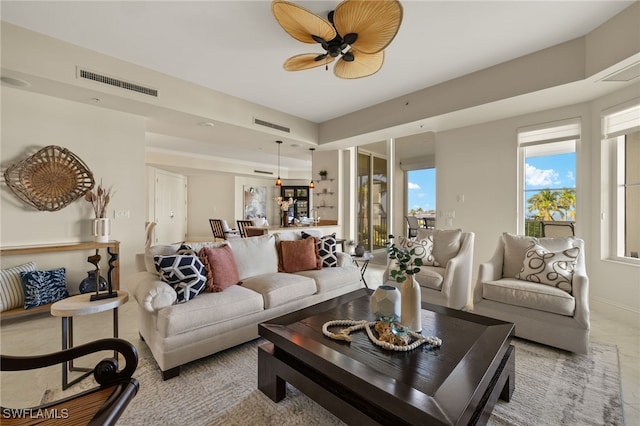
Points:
[(110, 143)]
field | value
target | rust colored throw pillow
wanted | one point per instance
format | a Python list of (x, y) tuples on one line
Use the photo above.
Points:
[(299, 255), (221, 267)]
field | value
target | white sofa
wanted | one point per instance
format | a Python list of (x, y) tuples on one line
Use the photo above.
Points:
[(211, 322), (542, 313), (449, 283)]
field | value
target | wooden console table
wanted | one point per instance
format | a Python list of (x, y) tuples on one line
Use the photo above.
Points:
[(113, 251)]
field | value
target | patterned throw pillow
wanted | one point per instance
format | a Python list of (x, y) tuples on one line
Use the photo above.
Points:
[(186, 274), (550, 268), (42, 287), (327, 248), (423, 248), (11, 290)]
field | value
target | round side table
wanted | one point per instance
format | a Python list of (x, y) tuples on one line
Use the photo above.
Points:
[(77, 306)]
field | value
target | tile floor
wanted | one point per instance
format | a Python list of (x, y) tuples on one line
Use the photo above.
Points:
[(42, 335)]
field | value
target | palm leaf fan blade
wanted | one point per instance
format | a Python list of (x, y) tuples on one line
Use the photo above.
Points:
[(301, 24), (375, 22), (305, 61), (363, 65)]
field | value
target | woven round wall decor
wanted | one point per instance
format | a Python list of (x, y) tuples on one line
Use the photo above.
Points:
[(50, 179)]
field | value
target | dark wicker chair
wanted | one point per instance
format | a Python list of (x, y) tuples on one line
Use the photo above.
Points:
[(242, 224), (102, 405)]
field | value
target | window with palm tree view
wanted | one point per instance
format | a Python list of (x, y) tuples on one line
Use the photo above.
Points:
[(549, 193)]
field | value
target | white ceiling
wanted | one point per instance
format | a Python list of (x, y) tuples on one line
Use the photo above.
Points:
[(238, 48)]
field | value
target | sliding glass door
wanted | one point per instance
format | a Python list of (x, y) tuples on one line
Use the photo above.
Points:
[(372, 201)]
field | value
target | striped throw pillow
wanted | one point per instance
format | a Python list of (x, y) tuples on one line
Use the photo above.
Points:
[(11, 291)]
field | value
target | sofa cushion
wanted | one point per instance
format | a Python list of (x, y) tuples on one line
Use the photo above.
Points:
[(255, 255), (42, 287), (431, 277), (280, 288), (327, 249), (11, 290), (158, 250), (186, 274), (550, 268), (220, 266), (515, 246), (299, 255), (529, 295), (207, 309), (329, 279), (446, 243)]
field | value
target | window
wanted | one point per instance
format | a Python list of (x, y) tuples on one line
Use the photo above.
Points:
[(421, 195), (547, 200), (621, 172)]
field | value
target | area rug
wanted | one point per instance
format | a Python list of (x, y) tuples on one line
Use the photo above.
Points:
[(553, 387)]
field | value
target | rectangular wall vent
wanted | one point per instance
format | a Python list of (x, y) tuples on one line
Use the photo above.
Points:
[(263, 172), (625, 74), (271, 125), (111, 81)]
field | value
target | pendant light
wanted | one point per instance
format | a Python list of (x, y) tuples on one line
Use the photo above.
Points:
[(311, 184), (279, 181)]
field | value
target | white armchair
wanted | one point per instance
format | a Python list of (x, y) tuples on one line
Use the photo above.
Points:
[(555, 313), (448, 284)]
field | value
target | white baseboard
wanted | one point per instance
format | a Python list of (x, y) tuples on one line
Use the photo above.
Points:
[(617, 312)]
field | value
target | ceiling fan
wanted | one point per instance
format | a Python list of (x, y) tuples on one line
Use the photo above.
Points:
[(356, 31)]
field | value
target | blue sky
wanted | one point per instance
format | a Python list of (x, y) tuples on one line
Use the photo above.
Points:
[(551, 171), (422, 189)]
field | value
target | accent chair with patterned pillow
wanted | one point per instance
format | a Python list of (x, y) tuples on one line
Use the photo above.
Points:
[(541, 285), (447, 259)]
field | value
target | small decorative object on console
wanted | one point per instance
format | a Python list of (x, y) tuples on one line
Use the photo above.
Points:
[(88, 284), (99, 200), (95, 260)]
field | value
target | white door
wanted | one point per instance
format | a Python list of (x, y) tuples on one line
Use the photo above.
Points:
[(170, 207)]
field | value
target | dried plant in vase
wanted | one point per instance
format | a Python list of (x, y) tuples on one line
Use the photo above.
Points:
[(99, 198)]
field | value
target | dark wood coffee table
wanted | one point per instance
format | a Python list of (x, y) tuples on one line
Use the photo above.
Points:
[(361, 383)]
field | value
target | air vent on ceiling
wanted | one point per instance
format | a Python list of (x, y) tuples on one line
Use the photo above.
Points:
[(625, 74), (272, 125), (111, 81), (263, 172)]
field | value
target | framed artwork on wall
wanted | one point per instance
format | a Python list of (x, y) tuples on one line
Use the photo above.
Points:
[(255, 201)]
